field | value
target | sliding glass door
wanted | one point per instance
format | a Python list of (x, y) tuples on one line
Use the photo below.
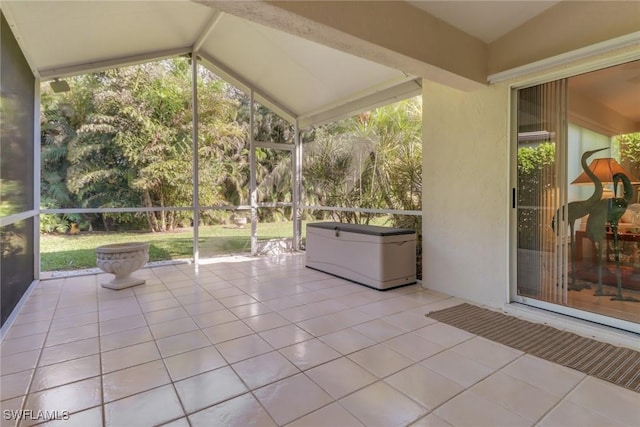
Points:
[(577, 210)]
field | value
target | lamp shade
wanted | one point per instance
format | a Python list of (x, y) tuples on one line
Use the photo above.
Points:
[(604, 169)]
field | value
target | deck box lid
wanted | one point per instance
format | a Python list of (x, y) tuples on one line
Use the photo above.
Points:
[(372, 230)]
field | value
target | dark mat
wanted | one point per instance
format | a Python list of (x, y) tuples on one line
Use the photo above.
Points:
[(617, 365)]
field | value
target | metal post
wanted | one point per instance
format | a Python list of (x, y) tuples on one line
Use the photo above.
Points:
[(36, 179), (196, 200), (297, 189), (253, 196)]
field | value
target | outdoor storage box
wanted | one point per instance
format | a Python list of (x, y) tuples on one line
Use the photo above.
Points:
[(378, 257)]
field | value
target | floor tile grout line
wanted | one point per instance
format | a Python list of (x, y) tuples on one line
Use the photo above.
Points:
[(40, 356), (296, 323), (470, 388), (228, 364), (23, 406), (164, 363), (464, 388), (103, 412), (250, 390), (562, 399)]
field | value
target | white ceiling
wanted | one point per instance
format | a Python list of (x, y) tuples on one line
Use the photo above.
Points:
[(485, 20), (297, 78), (617, 88)]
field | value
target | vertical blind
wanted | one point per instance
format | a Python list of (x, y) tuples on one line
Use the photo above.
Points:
[(543, 236)]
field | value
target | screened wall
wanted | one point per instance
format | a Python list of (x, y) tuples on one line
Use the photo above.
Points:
[(120, 150), (17, 215)]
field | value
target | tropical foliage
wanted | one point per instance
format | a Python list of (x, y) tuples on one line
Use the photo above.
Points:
[(535, 175), (373, 160), (123, 138), (629, 147)]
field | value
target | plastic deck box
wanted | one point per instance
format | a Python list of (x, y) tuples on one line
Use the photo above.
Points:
[(379, 257)]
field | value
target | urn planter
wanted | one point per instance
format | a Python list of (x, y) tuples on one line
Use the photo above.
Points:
[(122, 259)]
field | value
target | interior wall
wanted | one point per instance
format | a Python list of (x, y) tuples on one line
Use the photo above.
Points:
[(588, 112), (17, 88), (466, 192)]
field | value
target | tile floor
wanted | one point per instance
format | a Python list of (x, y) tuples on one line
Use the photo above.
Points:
[(267, 342)]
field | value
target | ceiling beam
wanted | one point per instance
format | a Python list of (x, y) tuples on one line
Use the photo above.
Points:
[(393, 33), (237, 79), (384, 97), (358, 95), (91, 67), (204, 34), (8, 14)]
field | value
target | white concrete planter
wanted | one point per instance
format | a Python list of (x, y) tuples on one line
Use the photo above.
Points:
[(240, 222), (122, 259)]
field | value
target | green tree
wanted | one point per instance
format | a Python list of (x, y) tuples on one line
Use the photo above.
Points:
[(61, 116), (629, 146), (135, 148), (536, 174), (372, 160)]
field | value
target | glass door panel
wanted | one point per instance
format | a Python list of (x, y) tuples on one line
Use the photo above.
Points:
[(578, 210)]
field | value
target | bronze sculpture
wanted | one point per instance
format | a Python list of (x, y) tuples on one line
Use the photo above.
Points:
[(577, 210), (609, 211)]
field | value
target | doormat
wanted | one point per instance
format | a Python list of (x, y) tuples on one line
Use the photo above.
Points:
[(617, 365)]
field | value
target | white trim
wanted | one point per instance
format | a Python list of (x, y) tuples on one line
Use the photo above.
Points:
[(512, 226), (233, 77), (37, 148), (579, 314), (204, 35), (390, 84), (16, 310), (588, 123), (539, 135), (8, 14), (296, 184), (116, 210), (568, 320), (225, 73), (226, 208), (362, 210), (141, 210), (195, 156), (91, 67), (274, 146), (12, 219), (253, 189), (572, 56), (274, 205), (405, 90)]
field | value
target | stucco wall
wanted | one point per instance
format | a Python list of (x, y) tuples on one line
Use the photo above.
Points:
[(466, 192)]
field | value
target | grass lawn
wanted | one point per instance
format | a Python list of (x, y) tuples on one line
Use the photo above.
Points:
[(73, 252)]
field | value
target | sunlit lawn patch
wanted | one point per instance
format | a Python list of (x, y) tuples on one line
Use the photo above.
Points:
[(71, 252)]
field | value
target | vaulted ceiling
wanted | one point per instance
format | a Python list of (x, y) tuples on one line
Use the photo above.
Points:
[(299, 79), (309, 61)]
